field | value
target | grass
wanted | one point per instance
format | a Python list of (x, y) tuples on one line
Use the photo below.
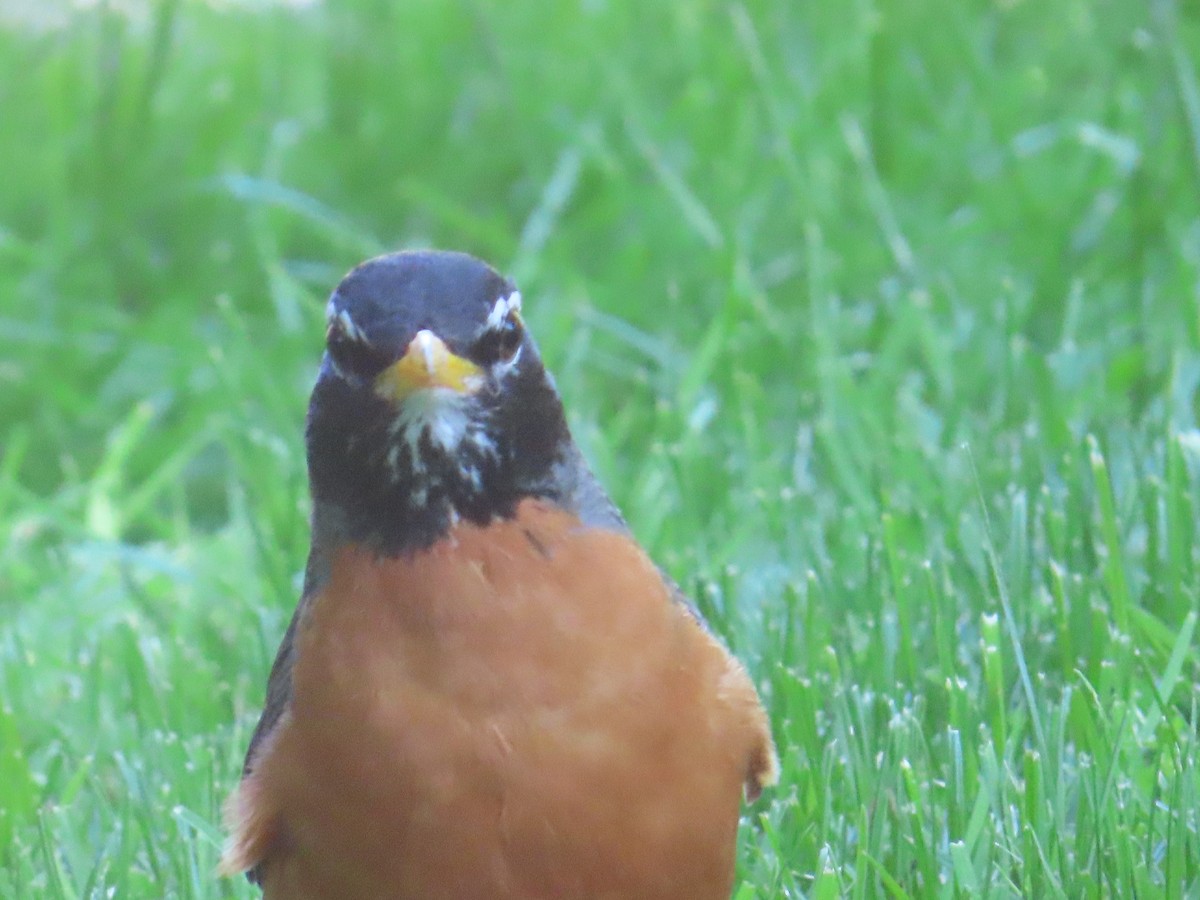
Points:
[(880, 320)]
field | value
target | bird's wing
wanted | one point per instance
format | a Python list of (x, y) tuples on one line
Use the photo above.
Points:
[(251, 838), (279, 682)]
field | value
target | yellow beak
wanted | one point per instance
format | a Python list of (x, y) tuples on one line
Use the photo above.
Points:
[(427, 363)]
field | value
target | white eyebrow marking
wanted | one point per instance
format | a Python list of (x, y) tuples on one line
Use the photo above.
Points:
[(351, 330), (342, 318), (504, 306)]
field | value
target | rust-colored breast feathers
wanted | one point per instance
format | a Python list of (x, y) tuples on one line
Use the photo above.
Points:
[(519, 711)]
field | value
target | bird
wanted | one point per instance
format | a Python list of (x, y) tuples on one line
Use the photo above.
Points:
[(487, 689)]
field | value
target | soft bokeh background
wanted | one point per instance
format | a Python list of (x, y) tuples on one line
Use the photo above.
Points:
[(880, 319)]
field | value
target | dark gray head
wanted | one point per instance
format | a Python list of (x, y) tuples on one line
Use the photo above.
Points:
[(432, 405)]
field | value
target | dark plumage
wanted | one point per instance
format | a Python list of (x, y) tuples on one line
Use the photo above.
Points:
[(525, 448)]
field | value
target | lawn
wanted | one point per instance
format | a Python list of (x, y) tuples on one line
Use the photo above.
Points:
[(881, 321)]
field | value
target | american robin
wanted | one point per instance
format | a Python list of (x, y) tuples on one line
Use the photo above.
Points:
[(487, 690)]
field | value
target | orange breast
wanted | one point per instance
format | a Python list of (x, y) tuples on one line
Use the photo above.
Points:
[(520, 711)]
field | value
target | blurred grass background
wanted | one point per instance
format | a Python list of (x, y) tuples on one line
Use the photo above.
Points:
[(879, 318)]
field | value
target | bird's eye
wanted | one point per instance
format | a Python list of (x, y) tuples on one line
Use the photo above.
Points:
[(352, 352), (499, 344)]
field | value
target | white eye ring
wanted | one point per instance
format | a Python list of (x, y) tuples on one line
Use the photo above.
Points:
[(340, 319)]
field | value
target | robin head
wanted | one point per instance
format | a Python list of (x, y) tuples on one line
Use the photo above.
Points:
[(431, 404)]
